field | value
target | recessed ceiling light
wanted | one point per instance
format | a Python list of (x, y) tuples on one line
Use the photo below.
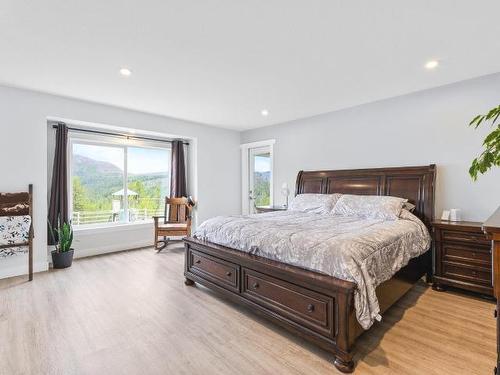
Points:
[(125, 72), (264, 112), (431, 64)]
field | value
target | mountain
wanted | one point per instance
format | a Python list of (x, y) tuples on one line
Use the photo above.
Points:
[(262, 177), (100, 179), (84, 166)]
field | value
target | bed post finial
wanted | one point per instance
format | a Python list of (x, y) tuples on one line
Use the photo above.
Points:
[(297, 183)]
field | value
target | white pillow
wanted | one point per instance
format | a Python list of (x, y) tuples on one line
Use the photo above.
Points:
[(369, 206), (409, 206), (315, 203)]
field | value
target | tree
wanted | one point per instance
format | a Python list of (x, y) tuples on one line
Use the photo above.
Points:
[(490, 157), (80, 198), (148, 196)]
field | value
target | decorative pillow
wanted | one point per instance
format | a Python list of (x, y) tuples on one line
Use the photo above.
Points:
[(369, 206), (409, 206), (315, 203)]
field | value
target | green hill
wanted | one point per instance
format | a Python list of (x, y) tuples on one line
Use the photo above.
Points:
[(95, 181)]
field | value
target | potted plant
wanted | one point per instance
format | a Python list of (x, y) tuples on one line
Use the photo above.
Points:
[(490, 157), (62, 256)]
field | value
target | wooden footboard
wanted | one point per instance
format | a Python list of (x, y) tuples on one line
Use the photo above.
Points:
[(315, 306)]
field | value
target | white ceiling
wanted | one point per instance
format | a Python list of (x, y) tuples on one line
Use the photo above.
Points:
[(220, 62)]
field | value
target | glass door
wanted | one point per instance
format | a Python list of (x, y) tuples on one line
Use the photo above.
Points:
[(260, 178)]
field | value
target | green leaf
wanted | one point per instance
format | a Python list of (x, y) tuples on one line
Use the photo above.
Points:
[(493, 137), (474, 119), (496, 118)]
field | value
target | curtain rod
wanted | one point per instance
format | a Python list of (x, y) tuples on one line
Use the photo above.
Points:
[(128, 136)]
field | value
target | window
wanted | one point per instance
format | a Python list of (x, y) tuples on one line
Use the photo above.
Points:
[(115, 183), (257, 175), (261, 176)]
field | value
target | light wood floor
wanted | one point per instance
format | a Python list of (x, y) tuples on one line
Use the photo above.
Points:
[(130, 313)]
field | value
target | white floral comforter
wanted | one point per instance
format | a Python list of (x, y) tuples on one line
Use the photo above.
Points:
[(14, 230), (365, 251)]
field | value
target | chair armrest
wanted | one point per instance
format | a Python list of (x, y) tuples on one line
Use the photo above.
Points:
[(155, 218)]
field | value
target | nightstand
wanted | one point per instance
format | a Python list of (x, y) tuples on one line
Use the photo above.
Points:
[(462, 257), (261, 210)]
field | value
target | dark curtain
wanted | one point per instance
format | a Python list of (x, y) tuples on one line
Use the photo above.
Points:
[(178, 171), (58, 205)]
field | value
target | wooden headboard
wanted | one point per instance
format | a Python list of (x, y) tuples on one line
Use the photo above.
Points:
[(414, 183)]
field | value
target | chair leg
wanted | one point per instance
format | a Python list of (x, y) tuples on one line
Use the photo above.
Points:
[(164, 242), (30, 261)]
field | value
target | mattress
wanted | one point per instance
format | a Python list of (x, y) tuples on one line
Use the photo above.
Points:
[(364, 251)]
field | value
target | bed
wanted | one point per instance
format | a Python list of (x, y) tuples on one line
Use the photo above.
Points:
[(303, 295)]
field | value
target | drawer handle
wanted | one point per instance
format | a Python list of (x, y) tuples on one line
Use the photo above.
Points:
[(310, 307), (255, 285), (474, 273), (228, 274), (198, 261)]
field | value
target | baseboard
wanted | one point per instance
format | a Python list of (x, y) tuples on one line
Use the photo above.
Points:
[(22, 270), (88, 252)]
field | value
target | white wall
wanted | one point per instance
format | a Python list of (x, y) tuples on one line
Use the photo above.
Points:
[(23, 151), (417, 129), (421, 128)]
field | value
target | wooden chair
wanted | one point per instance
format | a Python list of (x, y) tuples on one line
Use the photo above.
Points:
[(19, 204), (176, 221)]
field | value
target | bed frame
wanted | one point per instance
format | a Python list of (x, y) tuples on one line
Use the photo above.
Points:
[(315, 306), (20, 204)]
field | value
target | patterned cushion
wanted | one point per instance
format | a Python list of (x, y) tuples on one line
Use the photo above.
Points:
[(13, 204), (315, 203), (13, 230), (10, 209), (369, 206)]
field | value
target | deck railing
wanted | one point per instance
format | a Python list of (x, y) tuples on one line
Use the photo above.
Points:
[(110, 216)]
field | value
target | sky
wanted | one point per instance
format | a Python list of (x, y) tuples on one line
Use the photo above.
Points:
[(140, 160), (262, 164)]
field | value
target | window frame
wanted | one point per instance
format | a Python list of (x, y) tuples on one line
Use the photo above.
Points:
[(107, 141)]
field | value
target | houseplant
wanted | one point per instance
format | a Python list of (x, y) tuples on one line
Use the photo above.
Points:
[(490, 157), (62, 256)]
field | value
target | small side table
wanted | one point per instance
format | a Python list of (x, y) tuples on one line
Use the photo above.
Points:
[(462, 257), (261, 210)]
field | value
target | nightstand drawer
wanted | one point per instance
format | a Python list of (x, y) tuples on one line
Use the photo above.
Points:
[(465, 237), (467, 254), (467, 273)]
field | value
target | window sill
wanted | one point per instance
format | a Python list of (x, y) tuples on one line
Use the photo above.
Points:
[(113, 228)]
